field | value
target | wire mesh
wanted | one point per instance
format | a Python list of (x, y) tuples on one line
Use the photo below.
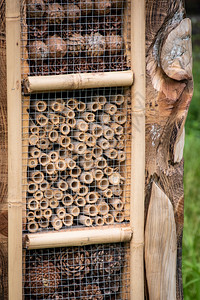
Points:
[(89, 272), (76, 158), (66, 37)]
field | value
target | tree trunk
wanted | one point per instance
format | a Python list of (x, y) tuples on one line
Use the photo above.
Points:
[(169, 92)]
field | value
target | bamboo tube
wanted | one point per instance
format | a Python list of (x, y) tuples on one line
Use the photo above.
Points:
[(106, 193), (97, 152), (90, 210), (62, 152), (33, 204), (30, 216), (110, 109), (33, 139), (120, 145), (37, 176), (71, 122), (47, 213), (41, 119), (49, 168), (88, 117), (99, 221), (104, 118), (80, 136), (42, 133), (75, 172), (38, 213), (64, 174), (72, 103), (100, 163), (108, 132), (79, 147), (96, 130), (43, 222), (60, 165), (80, 201), (53, 156), (93, 106), (117, 99), (44, 159), (32, 227), (83, 190), (81, 106), (113, 143), (67, 200), (70, 147), (86, 177), (52, 177), (92, 197), (57, 105), (71, 164), (32, 187), (103, 208), (53, 136), (86, 164), (118, 129), (38, 195), (103, 143), (78, 81), (53, 118), (81, 125), (62, 185), (121, 156), (68, 220), (56, 222), (100, 99), (68, 113), (74, 184), (97, 174), (43, 143), (119, 118), (85, 220), (34, 152), (115, 178), (34, 129), (39, 105), (116, 203), (48, 127), (60, 212), (57, 194), (108, 171), (73, 210), (32, 162), (87, 155), (117, 190), (111, 153), (108, 219), (118, 216), (44, 203), (64, 129), (90, 140), (48, 193), (53, 203), (64, 141)]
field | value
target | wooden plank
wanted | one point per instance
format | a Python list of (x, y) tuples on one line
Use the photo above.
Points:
[(160, 247)]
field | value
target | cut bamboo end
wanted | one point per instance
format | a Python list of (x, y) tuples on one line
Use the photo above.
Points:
[(89, 236), (44, 222), (68, 113), (30, 216), (103, 143), (38, 195), (97, 152), (37, 176), (83, 190), (68, 220), (32, 162), (104, 118), (33, 204), (75, 172), (81, 125), (64, 129), (118, 216), (86, 164), (121, 156), (106, 193), (44, 185), (92, 197), (108, 219), (41, 119), (110, 109), (74, 184), (97, 174), (79, 147), (103, 183), (60, 165), (53, 156), (93, 106), (35, 84), (72, 103), (47, 213), (90, 140), (86, 177), (44, 203), (116, 203), (96, 130), (53, 203), (54, 118), (101, 100), (53, 177), (113, 143), (103, 208), (117, 99), (64, 141), (60, 212), (81, 106), (80, 136), (115, 178), (34, 129), (118, 129), (119, 118), (32, 227), (57, 194), (100, 163), (56, 223), (80, 201), (34, 152), (73, 210), (90, 210), (108, 132), (57, 105), (67, 200), (33, 139), (99, 221), (32, 187), (111, 153), (43, 143), (38, 213), (108, 171), (44, 159), (71, 122), (88, 117), (71, 164), (62, 185), (39, 105), (49, 168), (48, 193)]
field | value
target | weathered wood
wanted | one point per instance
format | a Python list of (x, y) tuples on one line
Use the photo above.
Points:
[(160, 247), (168, 62)]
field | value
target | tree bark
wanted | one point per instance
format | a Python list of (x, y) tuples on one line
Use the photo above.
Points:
[(169, 92)]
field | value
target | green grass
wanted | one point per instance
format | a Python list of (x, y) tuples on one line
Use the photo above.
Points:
[(191, 239)]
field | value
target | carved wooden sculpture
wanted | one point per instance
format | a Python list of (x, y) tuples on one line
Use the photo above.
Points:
[(169, 92)]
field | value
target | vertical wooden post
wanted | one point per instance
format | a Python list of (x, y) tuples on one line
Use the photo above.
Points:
[(14, 149), (138, 149)]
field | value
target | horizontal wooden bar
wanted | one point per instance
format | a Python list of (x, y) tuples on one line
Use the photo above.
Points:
[(78, 237), (36, 84)]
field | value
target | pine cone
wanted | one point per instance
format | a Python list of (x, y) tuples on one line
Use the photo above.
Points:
[(95, 44), (117, 3), (107, 260), (91, 292), (38, 50), (102, 7), (114, 44), (74, 262), (35, 8), (72, 13), (75, 44), (43, 279), (55, 13), (38, 30), (110, 284), (57, 47), (85, 7)]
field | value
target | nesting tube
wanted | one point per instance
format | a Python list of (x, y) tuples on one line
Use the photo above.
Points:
[(119, 118), (115, 178), (106, 193), (79, 147), (34, 152), (53, 156), (72, 103), (97, 152), (44, 203), (104, 118), (103, 208), (81, 106), (74, 184), (97, 174), (33, 204), (75, 172), (48, 193), (108, 171), (99, 221), (43, 143), (86, 164), (85, 220), (32, 162), (116, 203), (93, 106), (43, 222), (41, 119), (96, 130), (68, 113), (90, 140), (32, 227), (64, 129), (113, 143), (68, 220), (100, 163), (103, 143), (108, 219), (101, 100), (47, 213), (38, 195), (118, 129), (108, 132), (92, 197), (56, 222), (57, 105), (32, 187), (44, 159), (54, 118), (62, 185), (38, 213), (48, 127), (60, 165), (33, 139), (73, 210), (81, 125), (49, 168), (64, 141), (37, 176), (34, 129), (30, 216), (80, 201), (42, 133), (71, 164), (111, 153), (83, 190), (121, 156), (80, 136), (53, 203), (87, 155), (110, 109), (88, 117), (86, 177), (39, 105), (60, 212), (117, 99), (57, 194), (71, 122), (118, 216), (117, 190), (103, 183), (67, 200), (70, 147), (53, 177), (90, 210)]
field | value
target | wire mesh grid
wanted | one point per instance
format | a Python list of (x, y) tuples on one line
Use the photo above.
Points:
[(63, 37), (89, 272), (76, 159)]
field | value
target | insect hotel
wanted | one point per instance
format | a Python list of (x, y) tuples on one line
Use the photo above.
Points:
[(89, 214)]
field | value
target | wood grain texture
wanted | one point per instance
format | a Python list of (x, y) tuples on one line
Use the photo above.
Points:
[(167, 106), (160, 247)]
